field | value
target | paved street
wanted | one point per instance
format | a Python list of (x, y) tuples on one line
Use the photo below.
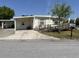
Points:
[(39, 48)]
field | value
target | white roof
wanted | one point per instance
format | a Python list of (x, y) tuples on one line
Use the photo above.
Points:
[(42, 15), (22, 17), (46, 16), (35, 16)]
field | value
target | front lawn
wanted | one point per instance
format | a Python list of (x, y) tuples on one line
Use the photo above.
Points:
[(64, 34)]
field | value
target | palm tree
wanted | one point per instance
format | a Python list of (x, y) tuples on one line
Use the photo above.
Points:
[(62, 11)]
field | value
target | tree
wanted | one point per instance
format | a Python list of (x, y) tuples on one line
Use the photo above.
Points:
[(62, 11), (6, 12), (77, 21), (72, 21)]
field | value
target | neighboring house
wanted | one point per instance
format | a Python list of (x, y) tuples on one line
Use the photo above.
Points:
[(4, 24), (32, 22)]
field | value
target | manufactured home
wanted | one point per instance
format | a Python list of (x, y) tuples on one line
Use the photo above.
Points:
[(30, 22), (34, 22)]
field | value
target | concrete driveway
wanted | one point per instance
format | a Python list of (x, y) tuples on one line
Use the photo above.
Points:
[(27, 34)]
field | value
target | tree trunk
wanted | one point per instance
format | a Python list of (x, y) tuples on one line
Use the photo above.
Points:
[(59, 24)]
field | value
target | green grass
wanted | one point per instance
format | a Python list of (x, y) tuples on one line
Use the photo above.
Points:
[(64, 34)]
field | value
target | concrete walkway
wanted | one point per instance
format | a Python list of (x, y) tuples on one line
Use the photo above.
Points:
[(28, 34)]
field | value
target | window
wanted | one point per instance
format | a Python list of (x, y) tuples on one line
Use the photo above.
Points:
[(42, 22)]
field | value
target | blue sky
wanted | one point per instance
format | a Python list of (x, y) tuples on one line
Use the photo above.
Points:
[(38, 7)]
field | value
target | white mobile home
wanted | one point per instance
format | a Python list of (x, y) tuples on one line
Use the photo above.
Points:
[(34, 22), (30, 22)]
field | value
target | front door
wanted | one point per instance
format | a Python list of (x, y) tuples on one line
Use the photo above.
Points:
[(42, 24)]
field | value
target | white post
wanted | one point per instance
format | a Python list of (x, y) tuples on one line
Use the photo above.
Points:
[(49, 21), (33, 22), (69, 20), (2, 25), (15, 24), (75, 21)]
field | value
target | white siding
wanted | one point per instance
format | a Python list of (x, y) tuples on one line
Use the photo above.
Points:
[(49, 21), (36, 23)]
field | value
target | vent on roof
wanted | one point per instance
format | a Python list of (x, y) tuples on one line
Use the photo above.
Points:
[(26, 15), (31, 15), (22, 15)]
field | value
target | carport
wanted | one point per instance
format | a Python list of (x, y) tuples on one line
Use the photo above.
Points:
[(7, 24), (24, 23)]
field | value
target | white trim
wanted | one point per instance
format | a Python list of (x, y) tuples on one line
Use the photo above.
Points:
[(35, 16), (22, 17), (42, 15)]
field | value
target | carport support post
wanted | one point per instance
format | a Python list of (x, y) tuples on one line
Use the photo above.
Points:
[(15, 24), (34, 23), (2, 25)]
